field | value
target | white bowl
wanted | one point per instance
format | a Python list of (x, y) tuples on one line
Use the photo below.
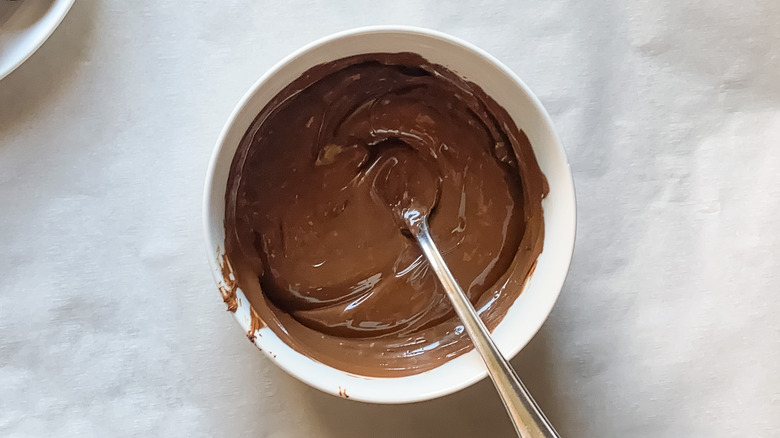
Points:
[(531, 308), (26, 28)]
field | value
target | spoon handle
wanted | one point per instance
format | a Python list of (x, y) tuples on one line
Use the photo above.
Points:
[(528, 419)]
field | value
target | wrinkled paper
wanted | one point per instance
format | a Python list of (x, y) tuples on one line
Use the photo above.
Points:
[(110, 324)]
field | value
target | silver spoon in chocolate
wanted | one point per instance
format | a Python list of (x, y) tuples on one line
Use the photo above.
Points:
[(411, 191)]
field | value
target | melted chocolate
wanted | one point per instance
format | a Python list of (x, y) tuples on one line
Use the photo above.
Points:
[(320, 256)]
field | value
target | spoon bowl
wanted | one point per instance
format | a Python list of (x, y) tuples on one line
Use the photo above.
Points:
[(406, 184)]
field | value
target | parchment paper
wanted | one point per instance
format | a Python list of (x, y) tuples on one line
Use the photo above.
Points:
[(110, 324)]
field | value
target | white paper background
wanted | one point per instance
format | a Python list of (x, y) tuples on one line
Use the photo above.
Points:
[(667, 325)]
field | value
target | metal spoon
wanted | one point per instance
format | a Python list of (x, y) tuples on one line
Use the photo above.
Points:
[(528, 419), (412, 193)]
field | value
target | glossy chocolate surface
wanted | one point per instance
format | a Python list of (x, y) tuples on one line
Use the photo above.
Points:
[(311, 240)]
